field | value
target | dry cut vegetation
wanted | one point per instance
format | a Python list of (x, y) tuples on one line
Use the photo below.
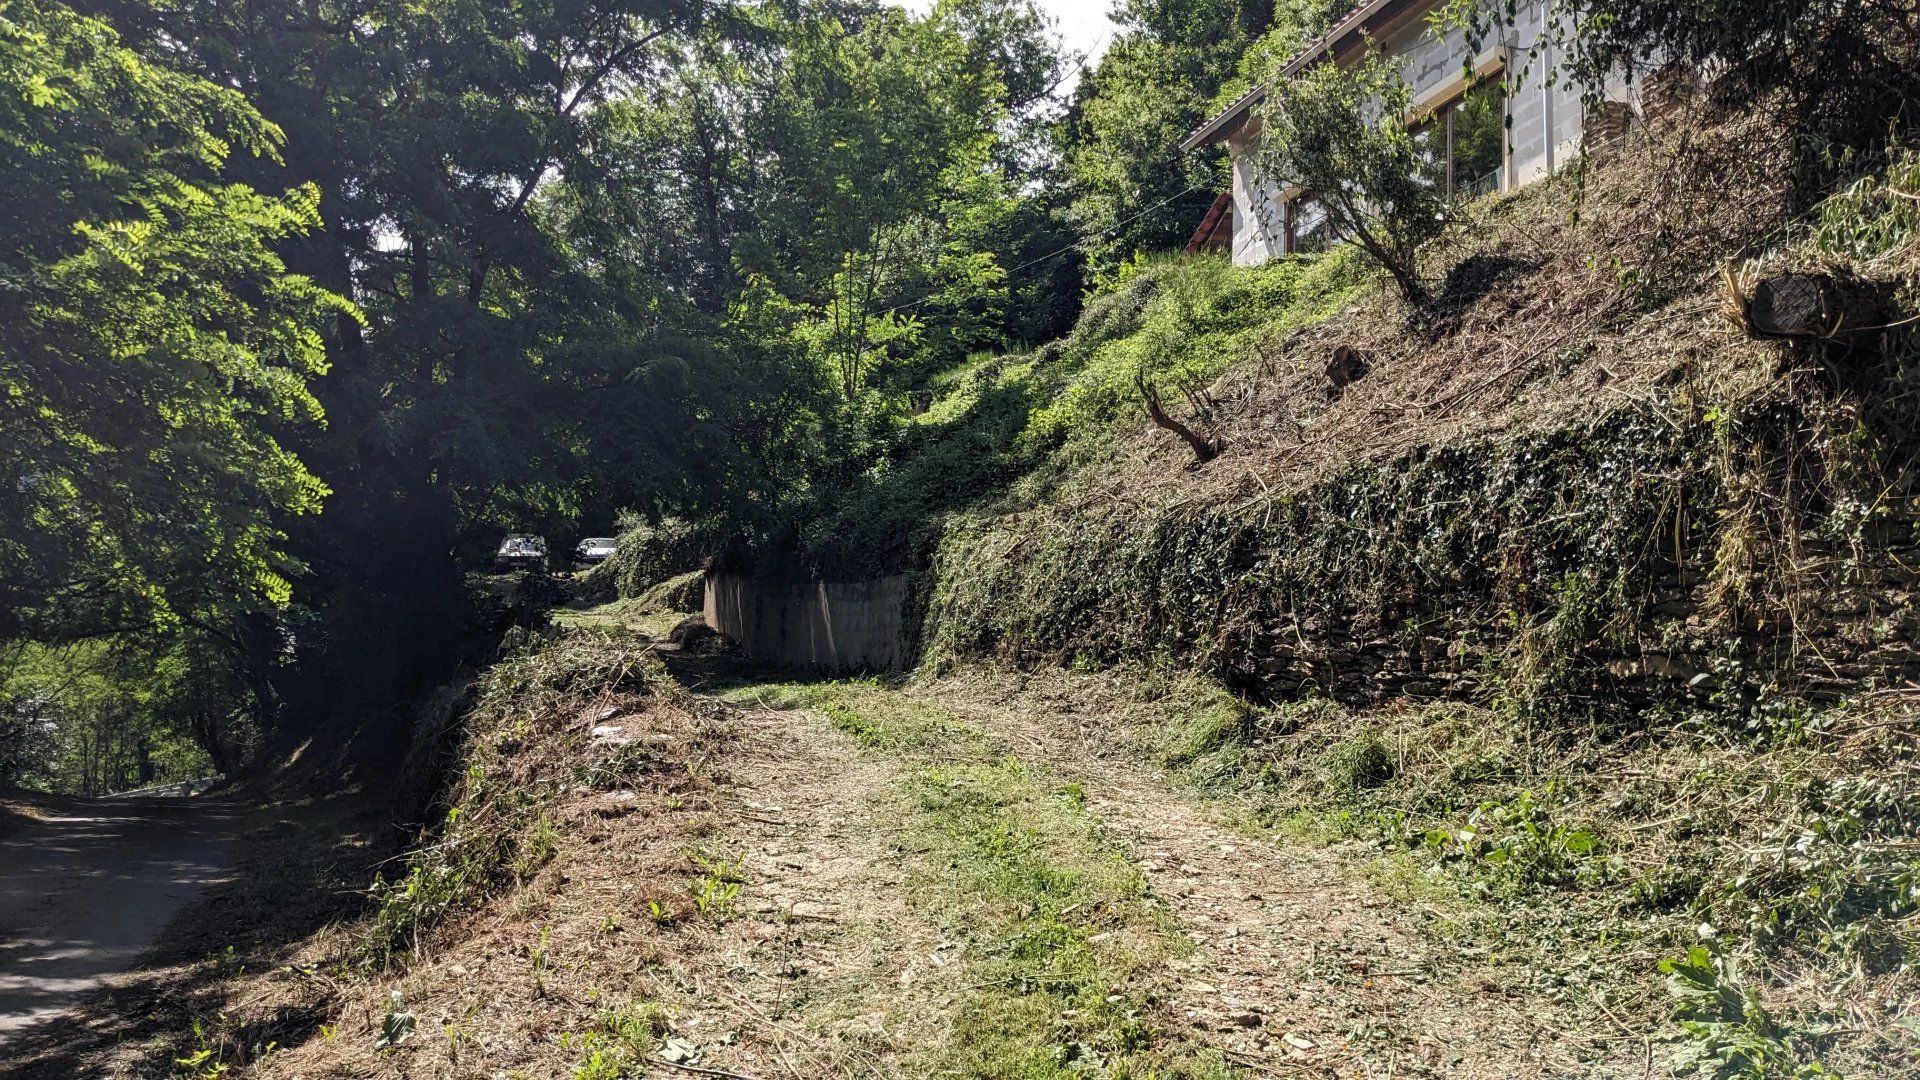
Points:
[(571, 829), (1737, 903)]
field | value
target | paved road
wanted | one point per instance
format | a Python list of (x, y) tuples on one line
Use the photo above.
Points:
[(85, 892)]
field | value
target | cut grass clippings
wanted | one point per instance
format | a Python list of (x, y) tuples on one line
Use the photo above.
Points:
[(1595, 869), (1060, 942)]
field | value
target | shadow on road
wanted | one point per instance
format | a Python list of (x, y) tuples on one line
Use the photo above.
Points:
[(86, 888), (227, 886)]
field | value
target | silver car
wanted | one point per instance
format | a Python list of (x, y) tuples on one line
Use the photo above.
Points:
[(595, 549), (520, 551)]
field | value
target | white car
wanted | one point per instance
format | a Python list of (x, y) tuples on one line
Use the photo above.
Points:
[(595, 549)]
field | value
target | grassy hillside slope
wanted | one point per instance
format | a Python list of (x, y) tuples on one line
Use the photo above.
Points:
[(1591, 611)]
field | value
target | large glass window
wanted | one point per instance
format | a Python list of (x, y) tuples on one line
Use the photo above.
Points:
[(1309, 229), (1465, 140)]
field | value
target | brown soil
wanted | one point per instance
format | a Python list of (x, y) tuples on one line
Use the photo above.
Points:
[(823, 936), (818, 968), (778, 981)]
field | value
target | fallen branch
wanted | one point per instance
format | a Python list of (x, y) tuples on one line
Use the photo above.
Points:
[(1204, 449), (701, 1069)]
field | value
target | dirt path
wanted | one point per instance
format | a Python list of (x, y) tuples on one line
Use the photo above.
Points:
[(87, 887), (820, 929), (1299, 963)]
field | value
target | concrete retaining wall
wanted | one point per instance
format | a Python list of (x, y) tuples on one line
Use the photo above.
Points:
[(833, 626)]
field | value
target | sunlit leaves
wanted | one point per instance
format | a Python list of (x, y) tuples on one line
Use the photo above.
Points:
[(152, 343)]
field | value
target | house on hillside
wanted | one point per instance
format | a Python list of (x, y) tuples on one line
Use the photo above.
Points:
[(1462, 105)]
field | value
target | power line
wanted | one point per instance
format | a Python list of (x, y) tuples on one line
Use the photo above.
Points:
[(1108, 231)]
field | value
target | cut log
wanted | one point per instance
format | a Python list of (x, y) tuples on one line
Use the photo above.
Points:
[(1815, 307), (1793, 306)]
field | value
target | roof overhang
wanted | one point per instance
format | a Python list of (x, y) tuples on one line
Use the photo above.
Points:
[(1362, 20), (1226, 123), (1359, 21)]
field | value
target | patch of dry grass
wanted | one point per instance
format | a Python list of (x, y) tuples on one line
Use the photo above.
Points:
[(1594, 290)]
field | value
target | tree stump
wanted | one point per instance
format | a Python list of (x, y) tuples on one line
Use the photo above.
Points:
[(1792, 306), (1814, 307), (1204, 449), (1348, 366)]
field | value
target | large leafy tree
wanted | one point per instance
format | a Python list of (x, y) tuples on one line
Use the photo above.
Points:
[(845, 200), (155, 358), (152, 343), (434, 131), (602, 247)]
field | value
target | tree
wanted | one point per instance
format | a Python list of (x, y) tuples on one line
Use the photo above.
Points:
[(1170, 67), (434, 133), (1340, 133), (155, 357), (152, 343)]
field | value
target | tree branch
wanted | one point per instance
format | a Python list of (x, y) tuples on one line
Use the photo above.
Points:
[(1204, 450)]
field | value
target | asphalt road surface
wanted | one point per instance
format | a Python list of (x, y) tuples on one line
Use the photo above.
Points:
[(86, 891)]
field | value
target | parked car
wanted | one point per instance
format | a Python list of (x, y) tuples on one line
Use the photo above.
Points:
[(594, 549), (521, 551)]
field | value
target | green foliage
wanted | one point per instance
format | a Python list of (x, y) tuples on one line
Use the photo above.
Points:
[(152, 343), (1340, 132), (155, 354), (649, 554), (875, 718), (98, 717), (1525, 846), (718, 885), (1120, 583), (1134, 190), (1875, 217), (1182, 321), (1841, 72), (1730, 1035), (1830, 873), (1359, 762), (396, 1024), (1215, 723), (622, 1041)]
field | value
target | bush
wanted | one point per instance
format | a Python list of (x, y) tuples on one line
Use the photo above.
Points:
[(649, 553), (1340, 133)]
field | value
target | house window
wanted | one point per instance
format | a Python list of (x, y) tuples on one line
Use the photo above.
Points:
[(1465, 139), (1309, 229)]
